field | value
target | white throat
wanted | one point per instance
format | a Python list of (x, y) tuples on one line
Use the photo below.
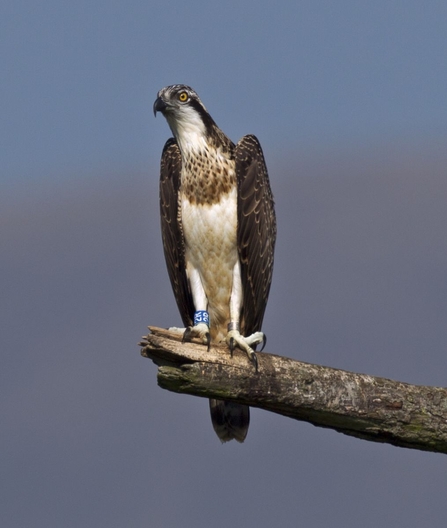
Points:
[(188, 129)]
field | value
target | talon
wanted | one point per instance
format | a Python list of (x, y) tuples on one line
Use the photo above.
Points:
[(231, 346), (208, 340), (197, 331), (235, 339), (187, 334), (264, 342), (254, 358)]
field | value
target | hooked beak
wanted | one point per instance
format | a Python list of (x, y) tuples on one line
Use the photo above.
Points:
[(159, 106)]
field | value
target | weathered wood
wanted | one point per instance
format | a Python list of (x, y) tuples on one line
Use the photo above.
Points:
[(367, 407)]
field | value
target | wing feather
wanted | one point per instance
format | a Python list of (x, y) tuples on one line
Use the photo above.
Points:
[(256, 231), (171, 229)]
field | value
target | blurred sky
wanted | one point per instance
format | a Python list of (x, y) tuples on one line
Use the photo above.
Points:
[(349, 102)]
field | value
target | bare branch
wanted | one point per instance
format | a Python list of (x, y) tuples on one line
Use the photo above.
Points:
[(367, 407)]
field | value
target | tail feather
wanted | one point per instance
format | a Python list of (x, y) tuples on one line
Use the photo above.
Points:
[(230, 420)]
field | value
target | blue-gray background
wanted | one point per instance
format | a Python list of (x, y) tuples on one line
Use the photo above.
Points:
[(348, 99)]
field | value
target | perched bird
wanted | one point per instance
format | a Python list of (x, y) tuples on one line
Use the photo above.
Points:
[(219, 228)]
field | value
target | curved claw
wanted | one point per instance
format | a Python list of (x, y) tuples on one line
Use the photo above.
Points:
[(187, 334), (208, 341), (231, 346), (254, 358), (192, 331), (264, 342)]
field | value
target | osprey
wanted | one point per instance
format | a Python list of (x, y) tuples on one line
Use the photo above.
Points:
[(219, 229)]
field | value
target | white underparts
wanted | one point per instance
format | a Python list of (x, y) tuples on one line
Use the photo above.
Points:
[(212, 261), (210, 230)]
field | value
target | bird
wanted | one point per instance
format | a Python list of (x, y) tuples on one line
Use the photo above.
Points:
[(218, 229)]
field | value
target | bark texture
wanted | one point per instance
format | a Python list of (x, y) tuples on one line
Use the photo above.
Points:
[(367, 407)]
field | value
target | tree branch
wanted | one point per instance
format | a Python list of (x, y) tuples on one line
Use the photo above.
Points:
[(367, 407)]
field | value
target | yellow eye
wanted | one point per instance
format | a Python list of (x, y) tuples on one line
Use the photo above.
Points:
[(182, 96)]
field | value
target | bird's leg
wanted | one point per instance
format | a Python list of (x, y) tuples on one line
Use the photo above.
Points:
[(201, 326), (199, 330), (234, 338)]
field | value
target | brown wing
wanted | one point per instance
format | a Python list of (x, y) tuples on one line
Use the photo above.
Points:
[(256, 231), (171, 230)]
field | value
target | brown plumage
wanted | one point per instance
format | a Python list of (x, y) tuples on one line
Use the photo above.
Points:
[(202, 177)]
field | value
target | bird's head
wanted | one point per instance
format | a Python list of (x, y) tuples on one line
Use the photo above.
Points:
[(185, 113), (177, 99)]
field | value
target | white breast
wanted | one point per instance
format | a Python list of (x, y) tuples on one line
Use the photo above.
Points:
[(210, 233)]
